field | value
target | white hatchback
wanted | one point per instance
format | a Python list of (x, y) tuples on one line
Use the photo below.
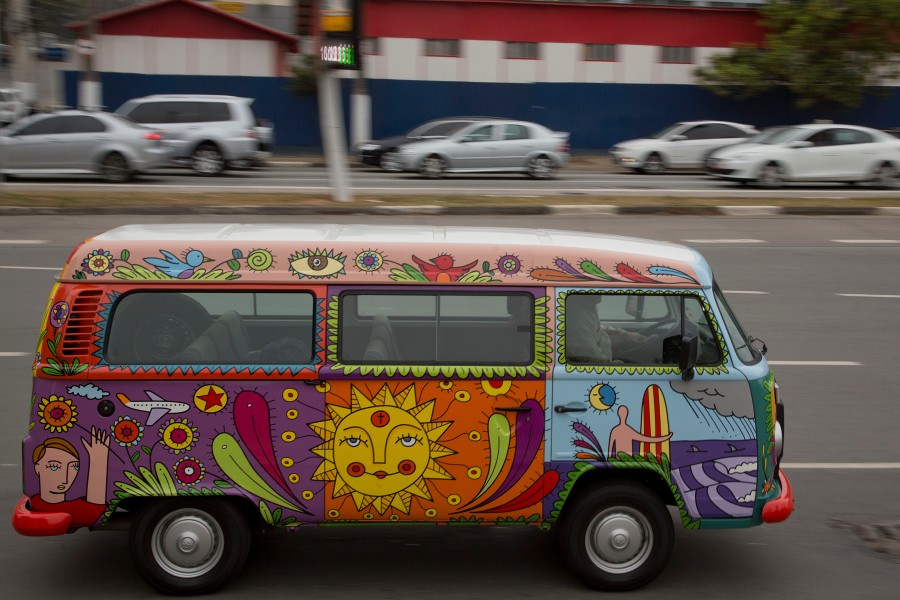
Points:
[(815, 152), (683, 145)]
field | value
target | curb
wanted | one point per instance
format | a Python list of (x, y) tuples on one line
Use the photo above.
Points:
[(532, 209)]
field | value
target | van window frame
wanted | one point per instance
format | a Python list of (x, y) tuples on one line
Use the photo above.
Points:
[(312, 344), (436, 293), (633, 368)]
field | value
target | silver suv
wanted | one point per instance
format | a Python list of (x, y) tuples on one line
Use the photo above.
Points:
[(210, 133)]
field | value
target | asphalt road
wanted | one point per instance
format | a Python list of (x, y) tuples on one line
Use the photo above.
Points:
[(307, 178), (822, 292)]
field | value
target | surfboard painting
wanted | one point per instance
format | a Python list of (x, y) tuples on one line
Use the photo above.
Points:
[(654, 422)]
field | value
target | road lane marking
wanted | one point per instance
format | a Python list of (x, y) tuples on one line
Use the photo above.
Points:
[(726, 241), (870, 295), (815, 363), (867, 241), (17, 242), (743, 292), (29, 268), (13, 354)]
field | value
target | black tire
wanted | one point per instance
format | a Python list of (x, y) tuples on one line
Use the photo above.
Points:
[(189, 546), (541, 167), (885, 176), (617, 537), (388, 161), (114, 168), (654, 164), (432, 167), (770, 176), (208, 160)]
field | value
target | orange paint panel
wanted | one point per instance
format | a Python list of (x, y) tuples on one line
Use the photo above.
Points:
[(429, 450)]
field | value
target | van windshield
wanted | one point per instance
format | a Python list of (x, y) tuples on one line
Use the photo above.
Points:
[(743, 346)]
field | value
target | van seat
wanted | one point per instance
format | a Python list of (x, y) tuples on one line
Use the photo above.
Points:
[(382, 346), (223, 342), (202, 351), (237, 334)]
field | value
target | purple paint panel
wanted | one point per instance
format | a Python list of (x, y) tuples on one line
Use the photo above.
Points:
[(188, 438)]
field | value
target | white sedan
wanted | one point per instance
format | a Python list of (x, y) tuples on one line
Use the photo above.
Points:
[(683, 145), (815, 152)]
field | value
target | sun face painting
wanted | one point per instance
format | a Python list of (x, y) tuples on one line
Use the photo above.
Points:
[(381, 451)]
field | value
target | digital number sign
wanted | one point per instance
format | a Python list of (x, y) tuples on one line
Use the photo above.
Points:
[(340, 54), (339, 26)]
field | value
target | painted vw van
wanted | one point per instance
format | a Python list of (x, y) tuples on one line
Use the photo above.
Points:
[(197, 382)]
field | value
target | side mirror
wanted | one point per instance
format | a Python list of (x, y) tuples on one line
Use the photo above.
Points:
[(677, 138), (690, 348), (801, 144)]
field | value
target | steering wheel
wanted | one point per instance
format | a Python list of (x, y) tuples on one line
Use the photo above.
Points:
[(653, 337)]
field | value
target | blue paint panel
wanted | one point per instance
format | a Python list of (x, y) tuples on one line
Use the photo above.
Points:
[(596, 115)]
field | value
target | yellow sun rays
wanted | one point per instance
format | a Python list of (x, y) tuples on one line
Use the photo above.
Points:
[(395, 406)]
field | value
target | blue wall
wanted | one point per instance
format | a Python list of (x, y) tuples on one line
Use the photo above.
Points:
[(596, 115)]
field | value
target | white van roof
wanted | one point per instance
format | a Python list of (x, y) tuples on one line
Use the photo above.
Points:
[(400, 253)]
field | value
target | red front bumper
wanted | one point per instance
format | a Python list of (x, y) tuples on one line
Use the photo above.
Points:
[(28, 522), (780, 508)]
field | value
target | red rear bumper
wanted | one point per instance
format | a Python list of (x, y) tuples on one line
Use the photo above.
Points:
[(780, 508), (27, 522)]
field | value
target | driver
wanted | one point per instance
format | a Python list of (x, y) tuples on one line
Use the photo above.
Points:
[(587, 339)]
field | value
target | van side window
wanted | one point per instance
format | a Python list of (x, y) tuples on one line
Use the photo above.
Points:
[(210, 328), (436, 328), (635, 329)]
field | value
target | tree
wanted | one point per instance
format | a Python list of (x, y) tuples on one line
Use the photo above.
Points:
[(304, 74), (826, 53)]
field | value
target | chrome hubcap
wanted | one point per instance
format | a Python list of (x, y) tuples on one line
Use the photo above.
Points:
[(619, 540), (187, 543), (207, 161)]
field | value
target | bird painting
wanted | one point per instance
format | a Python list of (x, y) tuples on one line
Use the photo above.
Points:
[(175, 267), (441, 268)]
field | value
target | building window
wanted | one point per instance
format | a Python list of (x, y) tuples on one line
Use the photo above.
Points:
[(521, 50), (677, 54), (442, 47), (600, 52), (369, 45)]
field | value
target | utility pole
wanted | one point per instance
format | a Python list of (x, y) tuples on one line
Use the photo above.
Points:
[(88, 83), (21, 41), (338, 35)]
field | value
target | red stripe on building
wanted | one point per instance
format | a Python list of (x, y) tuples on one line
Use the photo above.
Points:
[(561, 22)]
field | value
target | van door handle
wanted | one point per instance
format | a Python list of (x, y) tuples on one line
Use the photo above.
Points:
[(513, 408), (313, 381), (569, 408)]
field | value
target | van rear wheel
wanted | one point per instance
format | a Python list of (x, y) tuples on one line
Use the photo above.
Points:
[(195, 547), (617, 537)]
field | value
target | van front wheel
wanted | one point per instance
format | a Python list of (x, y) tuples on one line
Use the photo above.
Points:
[(185, 548), (617, 537)]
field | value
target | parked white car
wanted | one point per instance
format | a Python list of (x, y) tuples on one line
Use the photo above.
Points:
[(815, 152), (683, 145)]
